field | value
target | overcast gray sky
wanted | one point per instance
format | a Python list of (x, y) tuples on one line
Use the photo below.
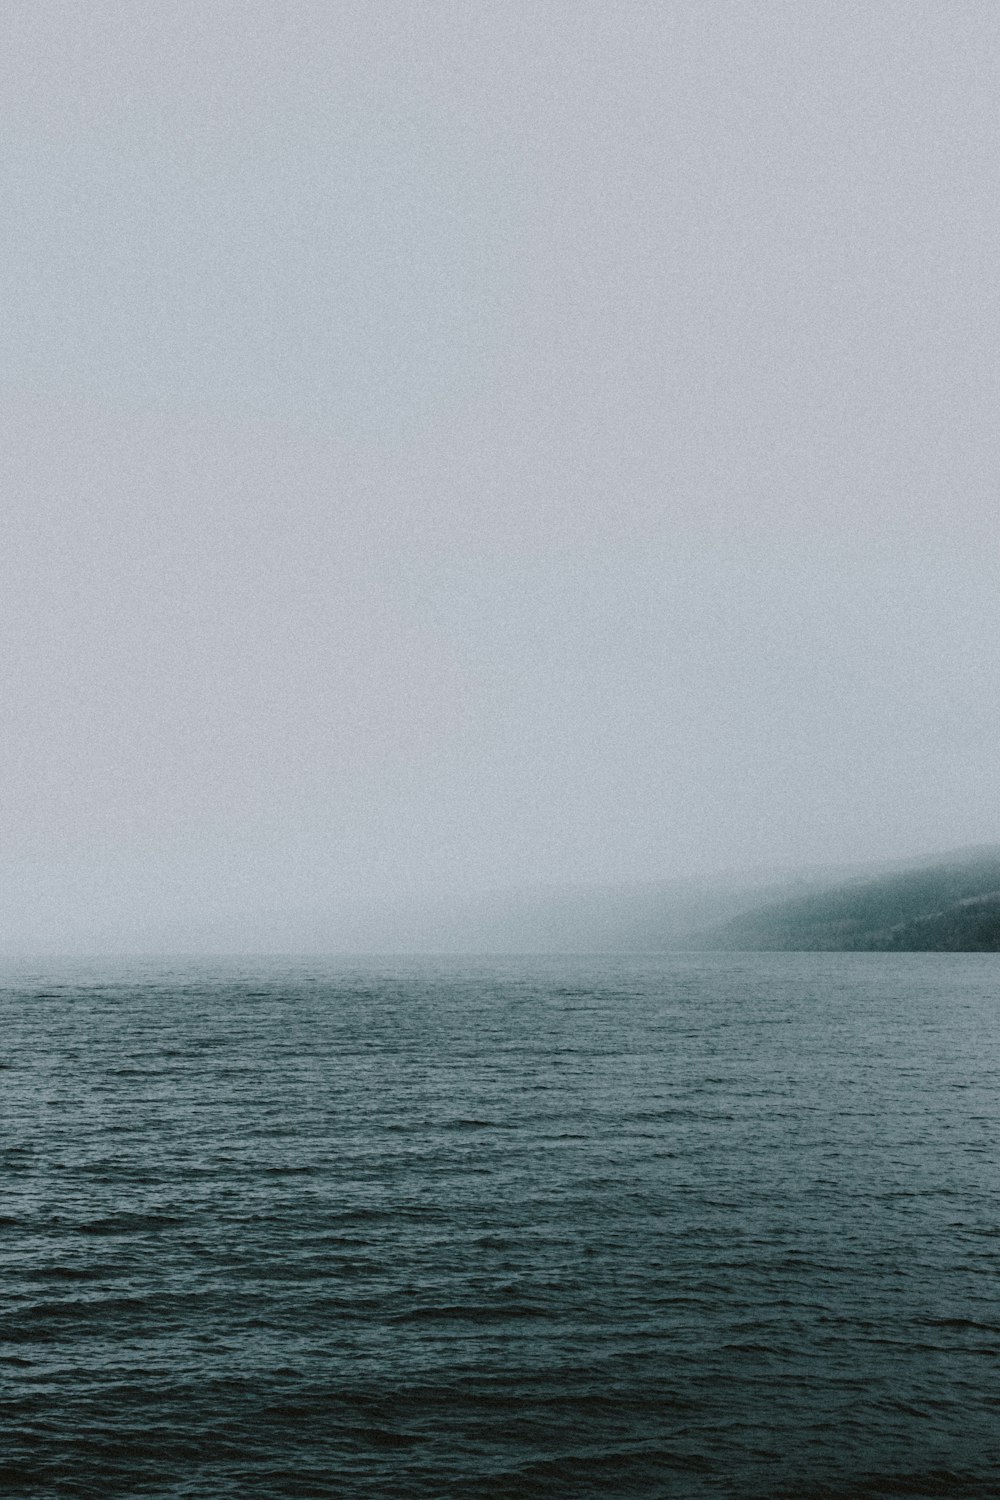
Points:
[(450, 445)]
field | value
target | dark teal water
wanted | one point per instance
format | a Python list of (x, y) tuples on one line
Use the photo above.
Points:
[(683, 1226)]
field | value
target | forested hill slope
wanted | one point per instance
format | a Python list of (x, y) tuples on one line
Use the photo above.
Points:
[(947, 907)]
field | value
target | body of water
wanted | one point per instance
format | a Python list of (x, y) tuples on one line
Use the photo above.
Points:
[(691, 1225)]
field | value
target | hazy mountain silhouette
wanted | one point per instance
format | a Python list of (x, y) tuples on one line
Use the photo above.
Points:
[(950, 903)]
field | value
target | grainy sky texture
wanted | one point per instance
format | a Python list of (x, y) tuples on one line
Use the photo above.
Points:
[(451, 445)]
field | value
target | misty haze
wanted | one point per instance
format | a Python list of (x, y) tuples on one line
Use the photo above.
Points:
[(500, 849)]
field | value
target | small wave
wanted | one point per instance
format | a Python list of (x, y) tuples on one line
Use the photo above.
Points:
[(926, 1484), (971, 1323), (616, 1467), (129, 1223), (466, 1313), (66, 1273), (384, 1437)]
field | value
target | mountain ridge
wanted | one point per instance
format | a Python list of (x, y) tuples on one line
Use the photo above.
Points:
[(949, 903)]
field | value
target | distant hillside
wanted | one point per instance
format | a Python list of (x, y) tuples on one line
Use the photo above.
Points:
[(952, 906)]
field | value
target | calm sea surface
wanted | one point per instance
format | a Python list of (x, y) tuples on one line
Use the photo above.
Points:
[(642, 1227)]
